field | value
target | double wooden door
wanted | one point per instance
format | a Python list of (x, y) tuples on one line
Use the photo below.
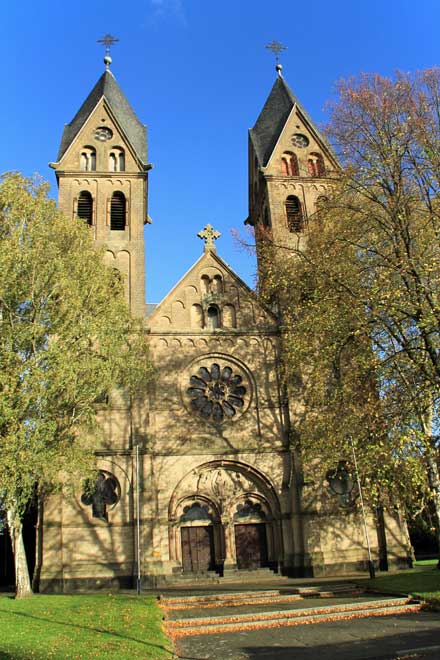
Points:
[(251, 545), (197, 548)]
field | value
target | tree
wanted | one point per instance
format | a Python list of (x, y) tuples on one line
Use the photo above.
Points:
[(361, 302), (66, 336)]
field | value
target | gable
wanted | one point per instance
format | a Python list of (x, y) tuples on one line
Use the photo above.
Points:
[(283, 112), (123, 114), (100, 119), (301, 138), (208, 286)]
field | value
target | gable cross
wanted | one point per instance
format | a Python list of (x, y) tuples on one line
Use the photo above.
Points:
[(209, 235)]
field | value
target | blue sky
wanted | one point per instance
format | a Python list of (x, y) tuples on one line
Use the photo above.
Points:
[(197, 73)]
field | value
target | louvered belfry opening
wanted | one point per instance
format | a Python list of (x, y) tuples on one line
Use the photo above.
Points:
[(117, 212), (85, 207), (294, 214)]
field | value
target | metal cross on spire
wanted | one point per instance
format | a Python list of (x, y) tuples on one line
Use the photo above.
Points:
[(209, 235), (277, 48), (107, 41)]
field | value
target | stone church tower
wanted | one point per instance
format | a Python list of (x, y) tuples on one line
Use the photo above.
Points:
[(221, 495), (291, 167), (102, 174)]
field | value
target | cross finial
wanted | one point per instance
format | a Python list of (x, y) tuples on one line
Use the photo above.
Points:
[(277, 48), (107, 41), (209, 235)]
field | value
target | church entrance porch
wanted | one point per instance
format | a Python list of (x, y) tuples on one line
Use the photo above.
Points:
[(224, 516), (197, 548), (251, 545)]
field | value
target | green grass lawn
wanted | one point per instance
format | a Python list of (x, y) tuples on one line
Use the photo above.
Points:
[(423, 580), (114, 627)]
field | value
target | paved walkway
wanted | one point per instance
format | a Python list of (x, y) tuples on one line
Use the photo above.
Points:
[(414, 637), (394, 637)]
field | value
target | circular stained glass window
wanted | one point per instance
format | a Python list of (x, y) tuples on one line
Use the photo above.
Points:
[(299, 140), (216, 393), (103, 133)]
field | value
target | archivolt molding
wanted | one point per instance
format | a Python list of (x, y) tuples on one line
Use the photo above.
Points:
[(224, 484)]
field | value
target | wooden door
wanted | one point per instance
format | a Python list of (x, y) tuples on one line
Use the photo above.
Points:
[(251, 545), (197, 548)]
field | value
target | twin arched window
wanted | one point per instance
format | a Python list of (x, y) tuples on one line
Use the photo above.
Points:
[(211, 285), (116, 160), (118, 209), (289, 164), (294, 214), (88, 159), (315, 165)]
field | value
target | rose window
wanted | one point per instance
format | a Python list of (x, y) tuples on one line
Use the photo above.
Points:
[(217, 393)]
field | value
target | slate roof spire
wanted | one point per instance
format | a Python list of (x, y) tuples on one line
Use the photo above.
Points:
[(273, 117), (108, 88)]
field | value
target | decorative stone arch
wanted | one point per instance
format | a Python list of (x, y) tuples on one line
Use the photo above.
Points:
[(223, 485)]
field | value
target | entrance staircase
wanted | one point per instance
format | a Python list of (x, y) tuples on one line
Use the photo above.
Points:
[(217, 613), (202, 578)]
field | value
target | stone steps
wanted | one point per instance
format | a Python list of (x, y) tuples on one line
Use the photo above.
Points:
[(260, 597), (296, 617), (210, 577)]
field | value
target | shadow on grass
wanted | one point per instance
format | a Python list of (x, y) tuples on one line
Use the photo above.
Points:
[(101, 631)]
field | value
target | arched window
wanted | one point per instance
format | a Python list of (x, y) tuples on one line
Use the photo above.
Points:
[(213, 317), (294, 214), (85, 207), (321, 201), (289, 164), (88, 159), (116, 160), (205, 283), (217, 284), (117, 211), (315, 165)]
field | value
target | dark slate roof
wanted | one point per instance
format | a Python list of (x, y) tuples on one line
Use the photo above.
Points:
[(150, 307), (272, 119), (108, 88)]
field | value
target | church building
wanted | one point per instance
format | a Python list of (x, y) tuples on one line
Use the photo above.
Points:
[(198, 480)]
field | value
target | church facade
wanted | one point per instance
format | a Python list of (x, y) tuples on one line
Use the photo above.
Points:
[(198, 479)]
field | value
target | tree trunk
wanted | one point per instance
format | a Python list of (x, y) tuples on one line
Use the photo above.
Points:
[(433, 473), (434, 484), (22, 581)]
